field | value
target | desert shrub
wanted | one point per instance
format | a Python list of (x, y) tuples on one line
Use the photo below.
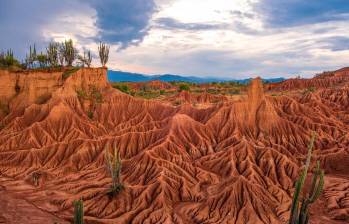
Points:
[(42, 59), (234, 92), (81, 93), (69, 72), (300, 207), (114, 166), (7, 60), (184, 87), (162, 92), (121, 87), (2, 126), (309, 90), (78, 211), (90, 114), (96, 95)]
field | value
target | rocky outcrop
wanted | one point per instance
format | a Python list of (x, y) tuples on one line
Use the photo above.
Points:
[(22, 89)]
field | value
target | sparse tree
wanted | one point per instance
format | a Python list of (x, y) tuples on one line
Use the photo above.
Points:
[(103, 51), (52, 54)]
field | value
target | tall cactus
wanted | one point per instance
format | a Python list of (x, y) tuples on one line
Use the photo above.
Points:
[(52, 54), (69, 52), (300, 215), (78, 212), (103, 51), (31, 58), (114, 167)]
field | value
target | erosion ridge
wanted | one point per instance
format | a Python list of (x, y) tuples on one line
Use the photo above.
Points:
[(234, 162)]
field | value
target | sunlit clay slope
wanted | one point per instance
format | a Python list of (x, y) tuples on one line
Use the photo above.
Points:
[(234, 162)]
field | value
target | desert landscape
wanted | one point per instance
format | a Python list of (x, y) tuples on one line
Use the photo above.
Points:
[(234, 161), (174, 112)]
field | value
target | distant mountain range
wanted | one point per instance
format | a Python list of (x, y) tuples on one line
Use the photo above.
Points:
[(119, 76)]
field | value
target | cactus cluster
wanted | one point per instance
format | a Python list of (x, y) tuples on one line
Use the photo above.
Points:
[(114, 168), (103, 51), (78, 211), (300, 206), (7, 59)]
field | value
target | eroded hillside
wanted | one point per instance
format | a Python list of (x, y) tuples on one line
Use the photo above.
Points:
[(232, 162)]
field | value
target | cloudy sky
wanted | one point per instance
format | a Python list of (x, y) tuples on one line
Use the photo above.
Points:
[(216, 38)]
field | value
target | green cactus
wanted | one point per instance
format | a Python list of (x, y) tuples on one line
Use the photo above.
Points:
[(103, 51), (52, 54), (78, 212), (69, 52), (300, 215), (114, 167)]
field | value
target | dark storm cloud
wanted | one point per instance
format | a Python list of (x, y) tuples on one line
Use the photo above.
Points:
[(21, 22), (120, 22), (123, 22), (282, 13)]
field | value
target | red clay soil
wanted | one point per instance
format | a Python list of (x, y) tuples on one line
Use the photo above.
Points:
[(234, 162)]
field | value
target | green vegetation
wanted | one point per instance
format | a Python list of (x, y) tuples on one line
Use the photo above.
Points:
[(184, 87), (55, 55), (7, 60), (82, 94), (42, 59), (299, 208), (103, 51), (114, 168), (96, 95), (122, 87), (52, 54), (90, 114), (69, 72), (309, 90), (149, 91), (69, 52), (78, 211)]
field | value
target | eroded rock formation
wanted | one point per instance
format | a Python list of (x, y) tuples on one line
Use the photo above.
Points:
[(234, 162)]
